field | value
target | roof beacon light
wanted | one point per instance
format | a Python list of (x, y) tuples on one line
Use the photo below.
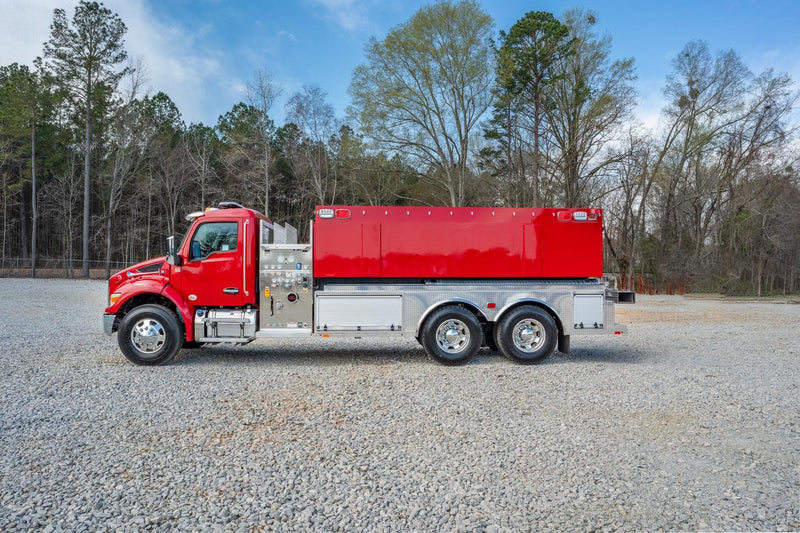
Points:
[(326, 213), (342, 213), (579, 215)]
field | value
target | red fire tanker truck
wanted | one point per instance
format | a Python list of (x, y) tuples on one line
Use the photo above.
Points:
[(522, 280)]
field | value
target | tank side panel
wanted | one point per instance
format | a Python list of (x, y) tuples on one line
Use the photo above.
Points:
[(533, 266), (467, 243), (449, 250), (347, 248)]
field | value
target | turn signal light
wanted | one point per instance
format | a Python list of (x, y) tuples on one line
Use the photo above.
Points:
[(114, 297)]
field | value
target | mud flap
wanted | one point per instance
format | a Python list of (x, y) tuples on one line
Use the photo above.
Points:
[(563, 343)]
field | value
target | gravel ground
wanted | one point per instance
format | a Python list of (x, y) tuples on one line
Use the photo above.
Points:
[(690, 422)]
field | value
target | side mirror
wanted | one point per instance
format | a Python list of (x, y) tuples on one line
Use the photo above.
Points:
[(172, 252)]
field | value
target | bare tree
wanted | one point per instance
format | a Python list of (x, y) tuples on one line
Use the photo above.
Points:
[(425, 87), (61, 195), (592, 99), (201, 150), (316, 121), (261, 94), (625, 221)]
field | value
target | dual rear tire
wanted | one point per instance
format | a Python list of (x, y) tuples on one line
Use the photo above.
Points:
[(526, 335), (452, 335)]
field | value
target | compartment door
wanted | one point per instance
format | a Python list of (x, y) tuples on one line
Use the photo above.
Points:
[(588, 311), (359, 313)]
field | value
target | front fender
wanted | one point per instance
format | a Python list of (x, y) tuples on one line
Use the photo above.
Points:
[(186, 310), (154, 291), (132, 290)]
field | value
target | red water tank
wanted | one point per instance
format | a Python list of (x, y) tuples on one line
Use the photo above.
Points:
[(457, 242)]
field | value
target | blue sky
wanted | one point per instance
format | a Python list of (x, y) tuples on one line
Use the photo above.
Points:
[(202, 53)]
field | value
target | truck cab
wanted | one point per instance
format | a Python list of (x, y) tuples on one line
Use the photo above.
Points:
[(214, 267)]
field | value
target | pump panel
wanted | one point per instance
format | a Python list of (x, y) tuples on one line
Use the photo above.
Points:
[(285, 286)]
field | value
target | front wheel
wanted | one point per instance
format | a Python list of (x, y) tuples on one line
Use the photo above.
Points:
[(150, 335), (527, 335), (452, 335)]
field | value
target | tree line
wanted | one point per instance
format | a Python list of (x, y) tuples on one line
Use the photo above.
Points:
[(94, 173)]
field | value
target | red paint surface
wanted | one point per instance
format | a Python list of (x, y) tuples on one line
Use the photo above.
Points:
[(464, 242)]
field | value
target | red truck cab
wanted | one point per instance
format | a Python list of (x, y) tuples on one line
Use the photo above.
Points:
[(216, 265)]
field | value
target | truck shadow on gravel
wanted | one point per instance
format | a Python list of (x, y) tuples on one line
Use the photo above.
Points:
[(311, 355), (297, 356)]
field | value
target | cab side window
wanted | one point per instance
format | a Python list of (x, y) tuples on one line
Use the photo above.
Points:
[(213, 237)]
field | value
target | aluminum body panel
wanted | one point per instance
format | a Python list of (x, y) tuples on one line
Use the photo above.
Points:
[(360, 313), (463, 242), (588, 311), (491, 299)]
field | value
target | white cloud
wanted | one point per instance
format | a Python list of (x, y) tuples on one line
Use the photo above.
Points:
[(348, 14), (24, 27), (175, 58), (650, 104), (283, 34)]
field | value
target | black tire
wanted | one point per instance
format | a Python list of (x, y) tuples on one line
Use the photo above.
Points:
[(527, 335), (150, 335), (451, 335)]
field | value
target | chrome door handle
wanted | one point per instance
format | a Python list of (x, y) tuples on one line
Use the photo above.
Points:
[(230, 290)]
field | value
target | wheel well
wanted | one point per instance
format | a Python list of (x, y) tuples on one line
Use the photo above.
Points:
[(452, 303), (533, 303), (148, 299)]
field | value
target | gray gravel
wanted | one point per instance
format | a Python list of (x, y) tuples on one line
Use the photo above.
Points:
[(688, 423)]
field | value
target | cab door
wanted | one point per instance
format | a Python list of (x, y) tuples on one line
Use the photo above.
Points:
[(214, 272)]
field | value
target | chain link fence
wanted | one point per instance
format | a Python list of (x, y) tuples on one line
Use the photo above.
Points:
[(57, 267)]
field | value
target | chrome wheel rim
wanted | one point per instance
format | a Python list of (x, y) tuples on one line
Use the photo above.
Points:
[(528, 335), (452, 336), (148, 336)]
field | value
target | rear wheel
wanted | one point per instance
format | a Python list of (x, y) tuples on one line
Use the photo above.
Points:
[(527, 335), (149, 335), (451, 335)]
